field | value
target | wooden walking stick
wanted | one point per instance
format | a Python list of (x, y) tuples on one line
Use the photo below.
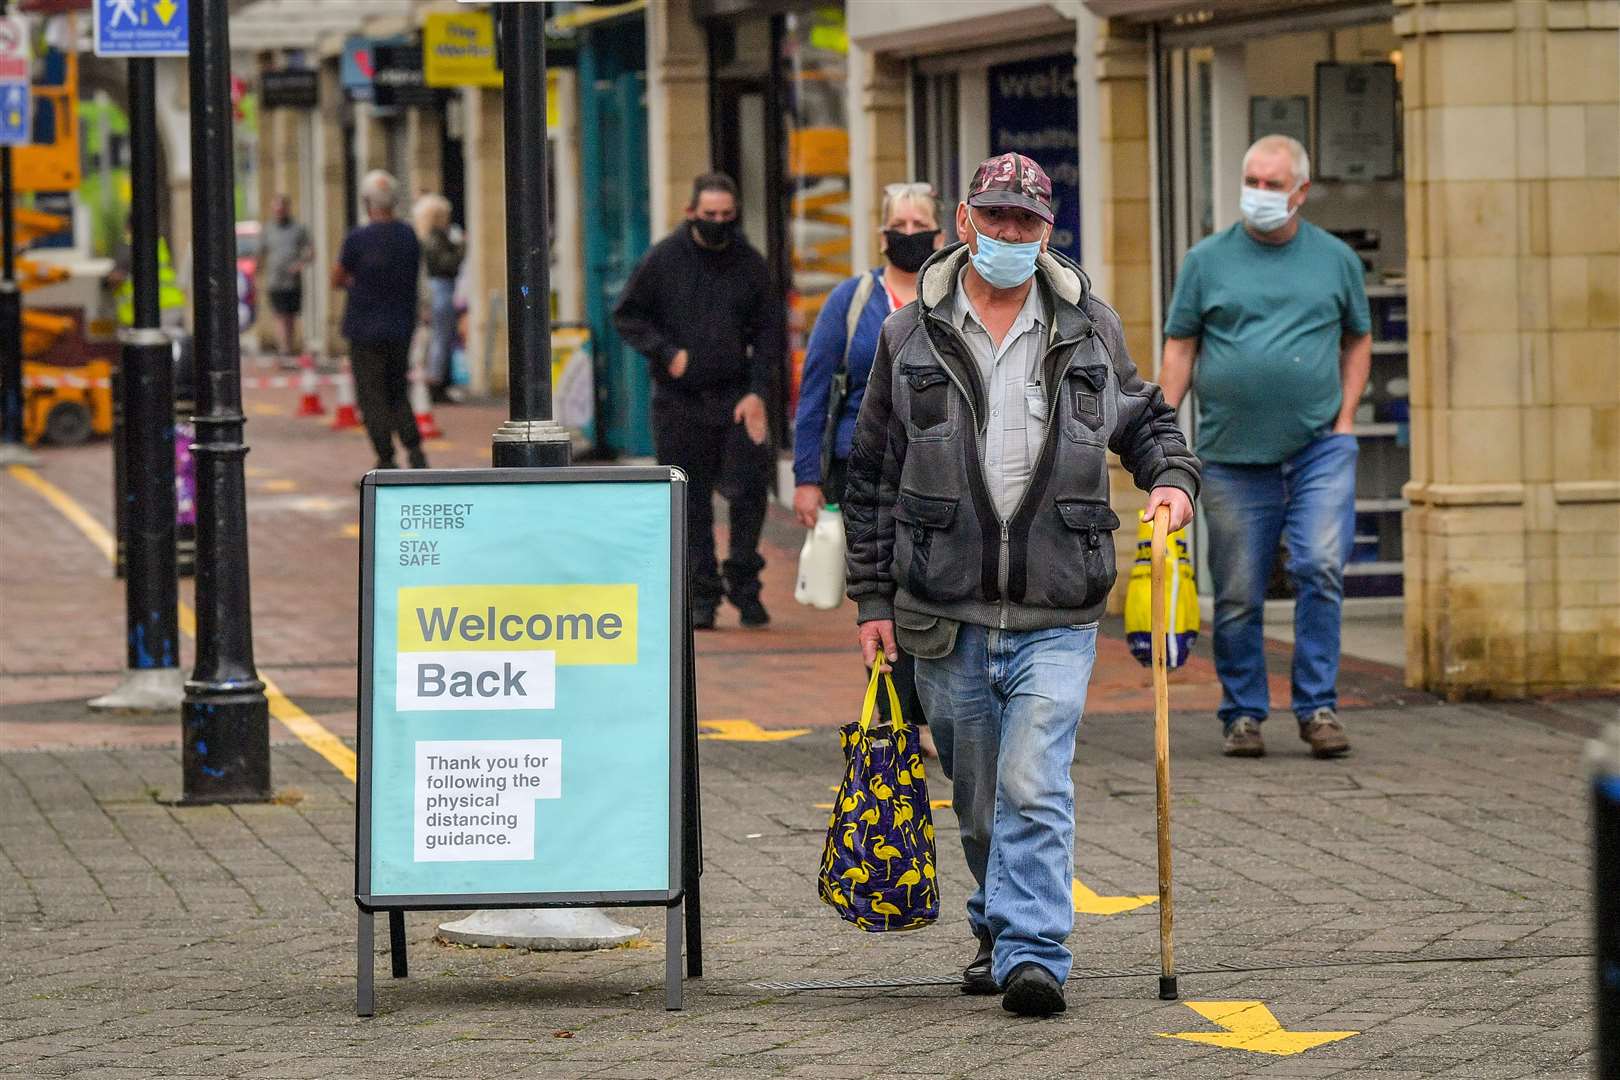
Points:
[(1158, 594)]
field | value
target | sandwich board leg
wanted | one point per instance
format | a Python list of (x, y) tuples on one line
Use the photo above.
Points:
[(396, 943), (672, 956), (365, 945), (692, 825)]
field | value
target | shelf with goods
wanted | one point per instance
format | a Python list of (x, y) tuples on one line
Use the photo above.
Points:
[(1385, 463)]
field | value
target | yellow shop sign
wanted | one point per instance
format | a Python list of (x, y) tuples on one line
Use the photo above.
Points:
[(458, 49)]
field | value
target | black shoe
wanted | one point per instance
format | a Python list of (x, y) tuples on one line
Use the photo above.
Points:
[(976, 978), (418, 459), (703, 618), (754, 615), (1032, 991)]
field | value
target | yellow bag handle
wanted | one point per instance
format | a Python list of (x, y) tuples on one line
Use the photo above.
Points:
[(869, 706)]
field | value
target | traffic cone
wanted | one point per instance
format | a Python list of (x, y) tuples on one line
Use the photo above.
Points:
[(422, 406), (310, 403), (345, 417)]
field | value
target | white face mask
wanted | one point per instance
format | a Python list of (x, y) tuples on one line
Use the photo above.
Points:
[(1265, 211)]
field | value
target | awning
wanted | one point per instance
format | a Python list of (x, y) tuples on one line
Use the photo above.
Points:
[(584, 16), (301, 24), (1198, 11)]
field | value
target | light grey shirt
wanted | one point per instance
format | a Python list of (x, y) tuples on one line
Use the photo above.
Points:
[(1017, 401)]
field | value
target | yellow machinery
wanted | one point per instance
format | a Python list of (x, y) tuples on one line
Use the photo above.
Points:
[(64, 404)]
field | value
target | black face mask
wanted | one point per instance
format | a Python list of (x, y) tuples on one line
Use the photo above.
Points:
[(908, 251), (715, 234)]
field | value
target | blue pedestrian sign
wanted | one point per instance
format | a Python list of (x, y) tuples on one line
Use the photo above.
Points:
[(14, 102), (16, 64), (141, 27)]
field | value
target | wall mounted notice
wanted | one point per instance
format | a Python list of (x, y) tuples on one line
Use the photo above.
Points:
[(519, 709)]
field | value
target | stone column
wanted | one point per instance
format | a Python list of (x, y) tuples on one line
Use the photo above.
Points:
[(677, 109), (1513, 224), (279, 160), (424, 140), (1120, 257), (877, 141), (328, 222), (486, 240)]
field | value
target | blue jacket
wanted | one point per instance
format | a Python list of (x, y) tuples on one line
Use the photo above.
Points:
[(821, 358)]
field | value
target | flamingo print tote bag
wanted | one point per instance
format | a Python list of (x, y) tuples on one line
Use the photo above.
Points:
[(877, 869)]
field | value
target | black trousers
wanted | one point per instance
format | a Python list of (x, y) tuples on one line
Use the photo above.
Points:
[(382, 391), (905, 668), (717, 457)]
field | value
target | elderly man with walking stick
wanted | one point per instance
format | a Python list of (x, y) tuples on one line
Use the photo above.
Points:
[(981, 542)]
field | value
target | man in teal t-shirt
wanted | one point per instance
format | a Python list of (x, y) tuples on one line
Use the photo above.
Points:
[(1274, 312)]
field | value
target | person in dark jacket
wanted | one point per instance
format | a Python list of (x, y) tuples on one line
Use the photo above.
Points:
[(378, 266), (981, 541), (703, 309), (911, 233)]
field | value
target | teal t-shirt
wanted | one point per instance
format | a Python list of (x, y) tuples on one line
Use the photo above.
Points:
[(1269, 320)]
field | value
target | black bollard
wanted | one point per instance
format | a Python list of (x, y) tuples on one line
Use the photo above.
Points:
[(530, 437), (225, 750), (146, 529), (1604, 755)]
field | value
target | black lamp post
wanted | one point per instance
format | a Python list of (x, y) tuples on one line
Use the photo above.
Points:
[(12, 450), (226, 736), (531, 437)]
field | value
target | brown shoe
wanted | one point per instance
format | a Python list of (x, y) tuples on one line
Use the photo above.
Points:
[(1325, 734), (1243, 739)]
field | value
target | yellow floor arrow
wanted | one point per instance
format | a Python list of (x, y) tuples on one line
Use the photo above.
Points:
[(1087, 902), (747, 731), (1250, 1026)]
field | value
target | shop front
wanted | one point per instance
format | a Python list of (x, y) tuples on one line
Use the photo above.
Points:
[(1330, 78)]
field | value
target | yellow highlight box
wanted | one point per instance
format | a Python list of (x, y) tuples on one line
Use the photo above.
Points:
[(582, 624)]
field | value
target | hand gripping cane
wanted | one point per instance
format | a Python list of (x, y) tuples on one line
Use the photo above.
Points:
[(1161, 750)]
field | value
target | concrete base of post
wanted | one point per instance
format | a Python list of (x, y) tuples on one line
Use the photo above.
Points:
[(544, 929), (155, 690), (16, 454)]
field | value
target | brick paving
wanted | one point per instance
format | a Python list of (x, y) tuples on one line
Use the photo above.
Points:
[(1429, 892)]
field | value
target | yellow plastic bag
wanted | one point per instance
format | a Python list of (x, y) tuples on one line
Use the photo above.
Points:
[(1182, 601)]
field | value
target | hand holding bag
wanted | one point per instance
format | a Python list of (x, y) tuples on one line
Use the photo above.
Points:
[(877, 868)]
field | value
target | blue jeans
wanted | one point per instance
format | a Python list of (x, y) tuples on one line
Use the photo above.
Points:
[(1004, 707), (1310, 501), (442, 316)]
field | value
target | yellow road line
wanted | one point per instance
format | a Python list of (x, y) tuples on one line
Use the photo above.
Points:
[(64, 504), (295, 719)]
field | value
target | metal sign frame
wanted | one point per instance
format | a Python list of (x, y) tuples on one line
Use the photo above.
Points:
[(684, 841)]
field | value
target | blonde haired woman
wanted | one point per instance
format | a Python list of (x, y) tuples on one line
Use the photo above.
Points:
[(443, 249), (824, 427)]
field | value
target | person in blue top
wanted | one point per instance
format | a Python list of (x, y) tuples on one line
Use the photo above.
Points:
[(911, 233), (378, 266), (1274, 310)]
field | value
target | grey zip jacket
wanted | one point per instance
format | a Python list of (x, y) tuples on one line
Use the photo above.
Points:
[(925, 540)]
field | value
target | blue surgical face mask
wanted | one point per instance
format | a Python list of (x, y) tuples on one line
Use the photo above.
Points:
[(1265, 211), (1003, 265)]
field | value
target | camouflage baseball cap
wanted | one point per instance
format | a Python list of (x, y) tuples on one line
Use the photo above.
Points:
[(1012, 180)]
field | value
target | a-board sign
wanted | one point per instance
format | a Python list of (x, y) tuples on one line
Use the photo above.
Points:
[(522, 687)]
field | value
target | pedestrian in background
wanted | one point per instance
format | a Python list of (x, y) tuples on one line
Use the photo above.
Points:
[(379, 266), (911, 233), (980, 541), (1274, 311), (443, 249), (703, 309), (288, 250)]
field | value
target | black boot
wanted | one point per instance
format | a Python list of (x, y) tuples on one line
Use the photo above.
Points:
[(976, 977)]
